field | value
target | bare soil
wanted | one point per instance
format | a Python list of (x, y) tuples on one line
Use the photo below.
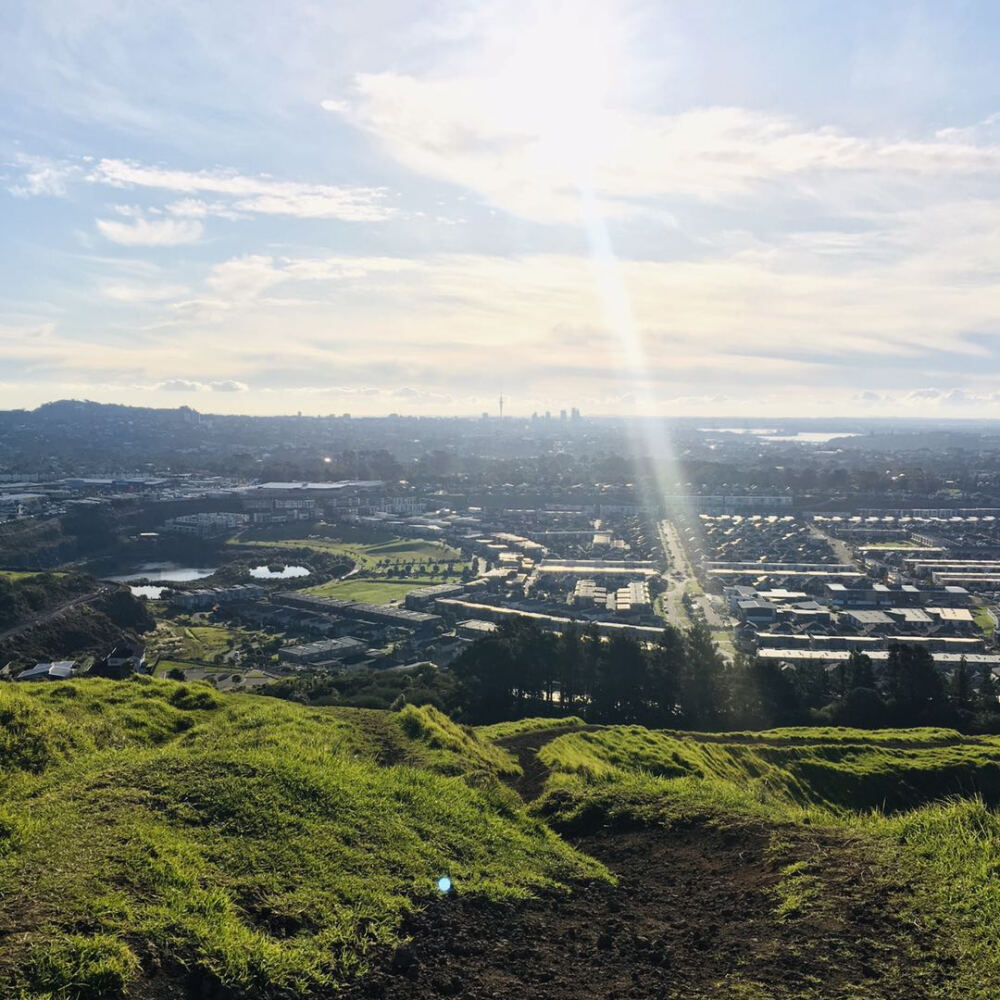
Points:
[(694, 914)]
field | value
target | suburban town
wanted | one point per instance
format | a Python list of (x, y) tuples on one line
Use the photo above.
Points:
[(358, 576)]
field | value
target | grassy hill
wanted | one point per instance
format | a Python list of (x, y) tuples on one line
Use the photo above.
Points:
[(853, 819), (153, 830), (164, 839)]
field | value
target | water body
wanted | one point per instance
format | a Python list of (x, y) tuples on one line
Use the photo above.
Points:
[(148, 591), (771, 434), (286, 573), (809, 437), (164, 572)]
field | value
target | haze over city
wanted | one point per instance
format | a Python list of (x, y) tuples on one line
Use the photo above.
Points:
[(619, 206)]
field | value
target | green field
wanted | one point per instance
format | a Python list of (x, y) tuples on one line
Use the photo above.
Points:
[(193, 643), (368, 557), (984, 619), (17, 574), (359, 588), (386, 571)]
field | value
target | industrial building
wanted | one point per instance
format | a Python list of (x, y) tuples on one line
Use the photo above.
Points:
[(322, 652), (418, 622)]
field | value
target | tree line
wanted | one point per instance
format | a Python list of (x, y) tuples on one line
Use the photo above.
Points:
[(683, 681)]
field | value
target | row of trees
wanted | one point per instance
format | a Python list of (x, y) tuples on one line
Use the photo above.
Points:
[(683, 681)]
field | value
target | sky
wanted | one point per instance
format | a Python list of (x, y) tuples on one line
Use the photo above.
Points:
[(677, 208)]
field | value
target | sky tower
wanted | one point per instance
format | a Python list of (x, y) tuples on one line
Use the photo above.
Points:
[(501, 406)]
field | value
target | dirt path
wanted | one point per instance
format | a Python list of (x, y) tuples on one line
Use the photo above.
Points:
[(694, 915), (525, 747)]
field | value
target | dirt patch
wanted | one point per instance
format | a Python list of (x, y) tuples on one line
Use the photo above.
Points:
[(525, 747), (695, 914)]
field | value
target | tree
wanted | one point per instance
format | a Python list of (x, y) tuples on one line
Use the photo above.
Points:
[(988, 690), (701, 678), (960, 687), (665, 662), (619, 689), (779, 700), (859, 671), (863, 708), (569, 666), (913, 687)]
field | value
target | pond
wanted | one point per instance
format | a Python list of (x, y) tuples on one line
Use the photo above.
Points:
[(163, 572), (148, 591), (285, 573)]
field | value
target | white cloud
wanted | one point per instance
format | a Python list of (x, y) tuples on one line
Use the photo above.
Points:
[(504, 142), (150, 232), (196, 208), (178, 385), (192, 385), (243, 278), (260, 194), (41, 177)]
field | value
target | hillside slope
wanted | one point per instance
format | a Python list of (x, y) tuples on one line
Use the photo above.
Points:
[(155, 834), (162, 839)]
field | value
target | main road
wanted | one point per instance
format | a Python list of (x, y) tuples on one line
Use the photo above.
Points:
[(678, 562)]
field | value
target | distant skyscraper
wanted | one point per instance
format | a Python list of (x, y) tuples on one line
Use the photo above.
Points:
[(575, 414), (562, 414)]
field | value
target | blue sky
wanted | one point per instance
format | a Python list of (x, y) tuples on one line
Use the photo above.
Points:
[(679, 208)]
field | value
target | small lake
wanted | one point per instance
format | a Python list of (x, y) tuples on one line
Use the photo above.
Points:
[(285, 573), (164, 572), (148, 591)]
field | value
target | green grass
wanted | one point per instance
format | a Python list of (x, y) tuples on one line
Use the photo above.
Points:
[(271, 849), (838, 775), (402, 550), (262, 846), (200, 644), (503, 730), (984, 619), (914, 808), (358, 588), (379, 578), (926, 735), (18, 574)]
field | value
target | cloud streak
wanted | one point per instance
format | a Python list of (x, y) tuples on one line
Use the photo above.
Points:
[(250, 194), (469, 132), (150, 232)]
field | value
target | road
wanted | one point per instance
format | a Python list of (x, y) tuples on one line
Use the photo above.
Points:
[(677, 563), (47, 616), (841, 550), (677, 615)]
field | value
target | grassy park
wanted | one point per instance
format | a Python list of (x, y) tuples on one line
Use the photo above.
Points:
[(384, 571)]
